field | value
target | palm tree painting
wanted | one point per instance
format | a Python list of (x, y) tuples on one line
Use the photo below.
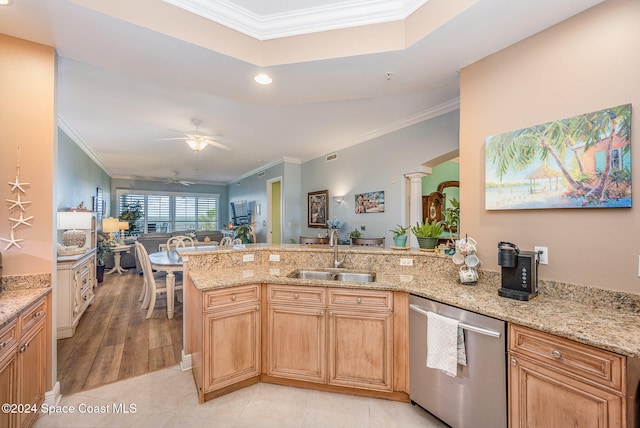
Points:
[(580, 162)]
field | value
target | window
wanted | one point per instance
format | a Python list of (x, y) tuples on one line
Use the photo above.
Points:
[(168, 212)]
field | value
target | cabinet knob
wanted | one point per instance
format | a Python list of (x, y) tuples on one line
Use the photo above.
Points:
[(556, 354), (359, 300), (514, 362), (3, 344), (295, 295), (233, 297), (257, 307), (38, 314), (330, 313), (23, 348)]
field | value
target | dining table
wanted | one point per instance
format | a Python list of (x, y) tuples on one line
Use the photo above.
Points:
[(169, 262)]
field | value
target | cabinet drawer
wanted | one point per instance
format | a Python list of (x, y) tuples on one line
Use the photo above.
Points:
[(32, 316), (361, 299), (572, 358), (217, 299), (296, 294), (8, 339)]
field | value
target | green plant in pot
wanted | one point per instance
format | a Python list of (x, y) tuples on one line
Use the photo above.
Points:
[(428, 233), (243, 233), (399, 236), (355, 234), (131, 214)]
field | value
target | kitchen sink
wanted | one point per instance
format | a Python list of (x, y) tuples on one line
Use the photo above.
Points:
[(351, 276), (312, 274)]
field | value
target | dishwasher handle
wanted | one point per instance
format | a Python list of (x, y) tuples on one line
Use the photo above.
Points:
[(462, 325)]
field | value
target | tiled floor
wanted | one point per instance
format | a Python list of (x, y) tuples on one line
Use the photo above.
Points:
[(167, 398)]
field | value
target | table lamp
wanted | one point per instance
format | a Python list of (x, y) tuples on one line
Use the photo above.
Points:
[(73, 222), (122, 225), (110, 225)]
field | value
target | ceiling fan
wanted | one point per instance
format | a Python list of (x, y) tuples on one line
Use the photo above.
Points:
[(197, 140), (176, 180)]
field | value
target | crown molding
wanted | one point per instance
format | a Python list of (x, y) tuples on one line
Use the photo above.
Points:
[(265, 167), (438, 110), (71, 133), (335, 16)]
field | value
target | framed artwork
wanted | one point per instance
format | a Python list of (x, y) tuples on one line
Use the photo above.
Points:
[(371, 202), (318, 209), (580, 162), (99, 205)]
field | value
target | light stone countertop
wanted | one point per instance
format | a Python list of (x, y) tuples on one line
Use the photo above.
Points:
[(14, 301), (606, 320)]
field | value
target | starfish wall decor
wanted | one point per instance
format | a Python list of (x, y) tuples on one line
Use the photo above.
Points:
[(17, 205)]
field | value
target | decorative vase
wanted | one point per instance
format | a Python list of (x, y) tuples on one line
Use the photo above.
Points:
[(427, 243), (400, 241)]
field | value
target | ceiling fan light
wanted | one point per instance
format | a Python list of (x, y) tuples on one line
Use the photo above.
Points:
[(263, 79), (197, 145)]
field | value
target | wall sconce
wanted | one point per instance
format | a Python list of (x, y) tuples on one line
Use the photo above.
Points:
[(338, 199)]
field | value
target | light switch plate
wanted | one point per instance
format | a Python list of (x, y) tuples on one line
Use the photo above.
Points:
[(406, 262)]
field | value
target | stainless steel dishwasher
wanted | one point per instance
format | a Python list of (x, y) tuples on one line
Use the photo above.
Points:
[(477, 397)]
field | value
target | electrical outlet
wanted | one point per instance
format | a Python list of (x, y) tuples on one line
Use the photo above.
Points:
[(247, 257), (543, 254), (274, 257), (406, 262)]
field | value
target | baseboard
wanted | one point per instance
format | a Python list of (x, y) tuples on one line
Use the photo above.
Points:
[(53, 397), (186, 363)]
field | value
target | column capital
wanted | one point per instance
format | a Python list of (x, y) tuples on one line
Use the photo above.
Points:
[(417, 175)]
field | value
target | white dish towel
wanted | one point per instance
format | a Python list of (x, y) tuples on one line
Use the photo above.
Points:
[(445, 344)]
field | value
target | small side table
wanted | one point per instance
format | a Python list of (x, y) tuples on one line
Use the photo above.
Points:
[(116, 258)]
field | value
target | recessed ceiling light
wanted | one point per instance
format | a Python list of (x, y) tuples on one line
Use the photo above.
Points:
[(263, 79), (6, 2)]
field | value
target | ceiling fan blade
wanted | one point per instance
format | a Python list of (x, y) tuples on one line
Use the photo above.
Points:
[(219, 145), (186, 183), (175, 138)]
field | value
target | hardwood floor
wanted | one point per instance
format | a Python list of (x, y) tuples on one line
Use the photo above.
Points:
[(114, 341)]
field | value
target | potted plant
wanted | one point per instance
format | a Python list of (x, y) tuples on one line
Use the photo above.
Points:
[(244, 233), (132, 214), (427, 233), (355, 234), (400, 236), (102, 249), (452, 216)]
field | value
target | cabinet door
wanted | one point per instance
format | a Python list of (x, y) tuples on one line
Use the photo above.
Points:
[(296, 347), (8, 388), (31, 371), (360, 349), (542, 397), (231, 346)]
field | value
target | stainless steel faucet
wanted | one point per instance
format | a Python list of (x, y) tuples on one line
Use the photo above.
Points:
[(333, 242)]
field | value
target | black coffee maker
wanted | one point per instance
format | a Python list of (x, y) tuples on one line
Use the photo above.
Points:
[(519, 272)]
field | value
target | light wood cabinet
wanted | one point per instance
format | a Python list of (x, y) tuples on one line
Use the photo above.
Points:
[(76, 282), (555, 382), (228, 352), (360, 338), (339, 337), (22, 365)]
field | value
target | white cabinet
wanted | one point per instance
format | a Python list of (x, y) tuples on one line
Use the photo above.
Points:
[(75, 284)]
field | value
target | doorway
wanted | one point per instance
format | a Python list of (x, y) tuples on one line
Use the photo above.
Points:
[(274, 211)]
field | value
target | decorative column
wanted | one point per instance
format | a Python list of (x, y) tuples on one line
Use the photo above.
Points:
[(415, 201)]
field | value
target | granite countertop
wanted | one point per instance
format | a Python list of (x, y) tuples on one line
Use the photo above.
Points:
[(594, 322), (12, 302)]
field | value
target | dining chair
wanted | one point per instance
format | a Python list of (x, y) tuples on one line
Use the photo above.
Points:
[(179, 241), (153, 283), (236, 241), (374, 242), (226, 242)]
